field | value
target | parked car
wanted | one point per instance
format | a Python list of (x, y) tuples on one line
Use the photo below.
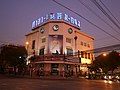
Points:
[(112, 77)]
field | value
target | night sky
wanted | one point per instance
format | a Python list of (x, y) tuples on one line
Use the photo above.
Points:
[(16, 17)]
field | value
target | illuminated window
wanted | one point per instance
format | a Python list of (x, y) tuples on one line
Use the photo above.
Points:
[(88, 55), (69, 51)]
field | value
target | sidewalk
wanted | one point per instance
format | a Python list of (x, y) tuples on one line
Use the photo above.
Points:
[(54, 78), (2, 76)]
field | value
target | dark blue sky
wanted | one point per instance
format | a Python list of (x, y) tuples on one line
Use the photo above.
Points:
[(16, 17)]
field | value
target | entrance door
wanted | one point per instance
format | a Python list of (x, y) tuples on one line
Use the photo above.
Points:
[(54, 69), (68, 70)]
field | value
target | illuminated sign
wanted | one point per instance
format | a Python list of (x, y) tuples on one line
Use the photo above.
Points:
[(55, 16)]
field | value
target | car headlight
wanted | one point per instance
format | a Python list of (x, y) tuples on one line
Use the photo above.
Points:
[(105, 77), (110, 77), (117, 77)]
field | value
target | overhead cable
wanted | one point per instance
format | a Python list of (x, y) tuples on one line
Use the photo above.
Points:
[(98, 16), (109, 11), (85, 19), (105, 13)]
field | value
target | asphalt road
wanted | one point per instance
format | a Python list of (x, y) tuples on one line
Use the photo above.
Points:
[(38, 84)]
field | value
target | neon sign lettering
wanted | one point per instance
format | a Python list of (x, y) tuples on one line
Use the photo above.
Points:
[(55, 16)]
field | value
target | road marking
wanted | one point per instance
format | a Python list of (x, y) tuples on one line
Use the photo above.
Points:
[(44, 85), (3, 84)]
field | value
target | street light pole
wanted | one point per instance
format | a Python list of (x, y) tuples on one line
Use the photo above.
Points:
[(30, 66), (26, 45), (75, 43)]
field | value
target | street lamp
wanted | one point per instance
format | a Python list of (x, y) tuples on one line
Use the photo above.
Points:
[(104, 54), (20, 57), (27, 43)]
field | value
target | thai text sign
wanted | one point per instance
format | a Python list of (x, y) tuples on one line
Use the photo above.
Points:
[(55, 16)]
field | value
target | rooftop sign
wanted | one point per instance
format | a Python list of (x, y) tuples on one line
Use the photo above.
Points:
[(55, 16)]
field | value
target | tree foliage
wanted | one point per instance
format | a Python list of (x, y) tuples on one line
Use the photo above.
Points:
[(12, 55), (106, 63)]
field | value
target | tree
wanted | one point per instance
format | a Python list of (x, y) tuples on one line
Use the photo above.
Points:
[(106, 63), (114, 60), (13, 56)]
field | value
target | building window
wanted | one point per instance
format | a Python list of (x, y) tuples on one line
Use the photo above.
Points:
[(69, 51), (85, 44), (67, 67), (88, 45), (88, 55), (33, 44), (92, 56), (41, 52), (81, 43), (41, 65), (85, 55), (54, 69), (41, 69), (82, 54), (68, 40), (43, 40)]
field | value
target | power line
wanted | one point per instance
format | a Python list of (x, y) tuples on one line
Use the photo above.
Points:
[(107, 48), (98, 16), (109, 11), (85, 19), (105, 13)]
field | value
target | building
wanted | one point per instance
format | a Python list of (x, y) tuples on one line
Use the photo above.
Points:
[(58, 43)]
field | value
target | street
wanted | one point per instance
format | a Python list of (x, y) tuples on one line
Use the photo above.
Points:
[(38, 84)]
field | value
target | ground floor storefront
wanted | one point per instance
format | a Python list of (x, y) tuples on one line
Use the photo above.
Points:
[(63, 69)]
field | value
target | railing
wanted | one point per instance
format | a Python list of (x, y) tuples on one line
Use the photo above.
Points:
[(57, 58)]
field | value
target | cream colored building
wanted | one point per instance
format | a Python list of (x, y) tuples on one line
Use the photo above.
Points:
[(60, 46)]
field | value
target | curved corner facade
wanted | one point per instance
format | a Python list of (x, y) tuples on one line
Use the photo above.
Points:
[(60, 48)]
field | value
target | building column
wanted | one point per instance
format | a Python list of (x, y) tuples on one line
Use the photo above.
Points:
[(47, 69), (61, 70), (75, 70)]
